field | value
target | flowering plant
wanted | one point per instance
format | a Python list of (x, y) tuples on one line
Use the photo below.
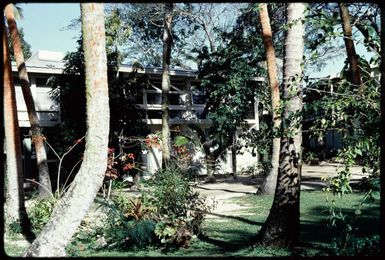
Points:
[(128, 161), (153, 140)]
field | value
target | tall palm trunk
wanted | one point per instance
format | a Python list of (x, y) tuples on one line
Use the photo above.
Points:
[(282, 225), (350, 50), (270, 182), (75, 203), (166, 84), (15, 207), (37, 138)]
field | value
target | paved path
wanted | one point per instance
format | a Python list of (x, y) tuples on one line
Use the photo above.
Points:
[(223, 189)]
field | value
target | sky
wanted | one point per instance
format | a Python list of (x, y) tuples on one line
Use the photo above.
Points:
[(44, 26), (45, 29)]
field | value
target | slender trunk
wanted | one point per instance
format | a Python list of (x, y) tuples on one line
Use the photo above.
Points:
[(167, 42), (234, 156), (210, 167), (282, 225), (73, 206), (15, 203), (270, 182), (350, 50), (37, 136)]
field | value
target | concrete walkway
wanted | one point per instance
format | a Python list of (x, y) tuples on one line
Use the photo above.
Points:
[(224, 189)]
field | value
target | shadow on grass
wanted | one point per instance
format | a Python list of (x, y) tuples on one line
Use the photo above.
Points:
[(245, 220), (226, 190), (368, 223), (312, 182), (228, 246)]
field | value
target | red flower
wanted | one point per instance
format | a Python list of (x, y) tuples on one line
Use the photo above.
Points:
[(128, 167), (111, 150), (131, 156)]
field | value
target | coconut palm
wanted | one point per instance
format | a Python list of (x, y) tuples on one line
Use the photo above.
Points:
[(270, 182), (282, 225), (45, 188)]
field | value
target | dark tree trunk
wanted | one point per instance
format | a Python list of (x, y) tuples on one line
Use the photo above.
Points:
[(350, 50), (45, 188), (270, 181), (234, 156), (281, 228), (15, 206), (166, 84)]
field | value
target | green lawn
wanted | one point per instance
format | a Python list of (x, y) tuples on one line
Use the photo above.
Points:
[(229, 235)]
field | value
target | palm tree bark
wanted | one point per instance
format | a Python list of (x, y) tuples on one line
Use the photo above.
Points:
[(166, 84), (350, 50), (45, 188), (73, 206), (281, 228), (270, 182), (15, 206)]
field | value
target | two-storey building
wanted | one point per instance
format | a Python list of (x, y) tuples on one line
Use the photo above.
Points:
[(186, 105)]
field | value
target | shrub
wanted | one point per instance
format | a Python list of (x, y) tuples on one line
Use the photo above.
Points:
[(179, 210), (41, 212), (168, 211)]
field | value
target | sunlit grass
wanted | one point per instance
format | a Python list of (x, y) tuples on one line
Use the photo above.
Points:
[(229, 235)]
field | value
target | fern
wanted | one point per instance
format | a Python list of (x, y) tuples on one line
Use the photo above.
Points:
[(142, 232)]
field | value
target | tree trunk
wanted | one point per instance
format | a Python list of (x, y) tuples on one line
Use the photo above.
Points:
[(210, 167), (75, 203), (234, 156), (350, 50), (37, 137), (16, 211), (166, 84), (270, 182), (282, 225)]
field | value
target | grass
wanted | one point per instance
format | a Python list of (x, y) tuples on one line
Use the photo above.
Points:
[(229, 235)]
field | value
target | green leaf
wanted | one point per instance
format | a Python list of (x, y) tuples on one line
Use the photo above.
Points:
[(181, 140)]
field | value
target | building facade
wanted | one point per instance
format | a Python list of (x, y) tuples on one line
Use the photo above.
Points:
[(186, 106)]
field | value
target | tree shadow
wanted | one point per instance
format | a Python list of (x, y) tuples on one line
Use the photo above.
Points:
[(368, 223), (245, 220), (226, 190), (228, 246)]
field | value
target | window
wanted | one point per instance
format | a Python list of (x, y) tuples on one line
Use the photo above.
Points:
[(43, 100), (154, 98), (200, 115), (154, 114), (16, 80), (175, 99), (176, 114), (251, 112), (41, 82)]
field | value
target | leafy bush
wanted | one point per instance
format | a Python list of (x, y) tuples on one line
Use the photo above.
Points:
[(310, 158), (41, 212), (141, 233), (168, 211), (179, 210), (126, 227), (358, 246), (169, 192)]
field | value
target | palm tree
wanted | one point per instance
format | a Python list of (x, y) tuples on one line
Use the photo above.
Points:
[(73, 206), (282, 225), (167, 43), (350, 50), (270, 182), (15, 207), (45, 188)]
